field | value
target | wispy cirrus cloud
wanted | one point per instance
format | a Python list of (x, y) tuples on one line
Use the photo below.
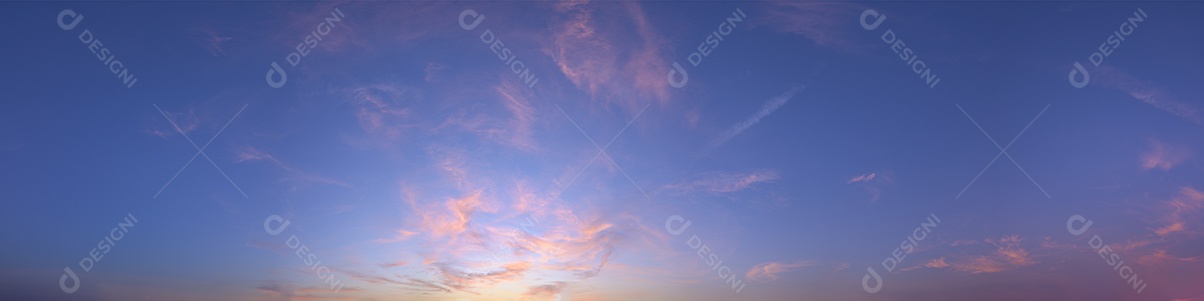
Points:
[(1163, 156), (768, 108), (1180, 211), (295, 177), (828, 24), (615, 62), (769, 271), (1157, 96), (382, 111), (723, 182), (187, 121)]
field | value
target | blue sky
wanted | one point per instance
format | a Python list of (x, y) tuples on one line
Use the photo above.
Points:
[(412, 160)]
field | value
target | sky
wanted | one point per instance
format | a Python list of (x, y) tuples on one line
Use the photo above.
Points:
[(545, 150)]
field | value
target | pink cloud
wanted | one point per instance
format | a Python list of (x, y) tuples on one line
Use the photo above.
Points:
[(769, 271), (1181, 211), (586, 42), (874, 183), (1163, 156), (1008, 255)]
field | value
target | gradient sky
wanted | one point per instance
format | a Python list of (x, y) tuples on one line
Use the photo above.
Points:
[(414, 164)]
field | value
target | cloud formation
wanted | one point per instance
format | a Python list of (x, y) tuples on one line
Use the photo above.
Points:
[(1163, 156), (768, 108), (769, 271)]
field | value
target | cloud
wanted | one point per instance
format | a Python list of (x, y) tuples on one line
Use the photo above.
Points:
[(1008, 255), (769, 271), (294, 176), (828, 24), (380, 109), (873, 183), (545, 290), (862, 178), (187, 122), (1149, 93), (496, 234), (517, 132), (1163, 156), (771, 105), (1181, 211), (724, 182), (611, 52)]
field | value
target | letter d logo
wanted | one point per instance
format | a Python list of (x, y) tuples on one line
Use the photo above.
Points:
[(267, 224), (63, 281), (865, 281), (277, 70), (1078, 69)]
